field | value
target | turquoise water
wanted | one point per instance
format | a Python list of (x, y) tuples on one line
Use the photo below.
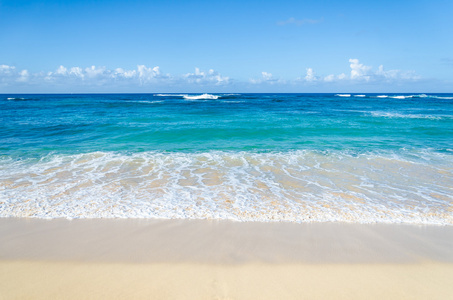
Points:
[(247, 157)]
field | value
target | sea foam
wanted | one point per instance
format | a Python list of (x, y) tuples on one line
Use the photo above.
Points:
[(405, 116), (295, 186), (201, 97)]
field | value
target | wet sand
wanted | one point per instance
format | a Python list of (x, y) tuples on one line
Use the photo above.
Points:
[(182, 259)]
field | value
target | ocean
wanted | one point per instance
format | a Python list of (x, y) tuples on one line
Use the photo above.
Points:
[(360, 158)]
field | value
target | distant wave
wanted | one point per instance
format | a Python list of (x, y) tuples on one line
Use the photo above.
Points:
[(193, 97), (404, 116), (170, 95), (201, 97), (343, 95), (440, 97), (432, 96), (415, 96), (16, 99), (360, 96)]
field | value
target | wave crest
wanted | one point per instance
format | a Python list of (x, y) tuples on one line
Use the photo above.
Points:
[(201, 97)]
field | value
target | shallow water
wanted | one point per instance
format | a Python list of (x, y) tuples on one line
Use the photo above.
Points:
[(246, 157)]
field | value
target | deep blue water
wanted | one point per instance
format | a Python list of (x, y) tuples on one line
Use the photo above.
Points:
[(36, 124)]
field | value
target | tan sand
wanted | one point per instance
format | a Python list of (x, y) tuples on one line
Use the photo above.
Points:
[(171, 259), (70, 280)]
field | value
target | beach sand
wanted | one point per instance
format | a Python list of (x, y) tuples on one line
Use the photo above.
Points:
[(205, 259)]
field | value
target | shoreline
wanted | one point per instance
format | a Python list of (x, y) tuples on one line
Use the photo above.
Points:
[(209, 259)]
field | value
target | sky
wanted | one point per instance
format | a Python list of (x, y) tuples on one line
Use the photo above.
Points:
[(226, 46)]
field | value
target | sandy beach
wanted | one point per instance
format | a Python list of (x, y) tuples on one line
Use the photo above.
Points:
[(182, 259)]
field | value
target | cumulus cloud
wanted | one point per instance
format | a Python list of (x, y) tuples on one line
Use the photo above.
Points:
[(23, 76), (266, 77), (121, 73), (100, 75), (95, 78), (359, 71), (93, 71), (396, 74), (210, 77), (294, 21), (362, 73), (310, 75), (6, 70), (9, 74)]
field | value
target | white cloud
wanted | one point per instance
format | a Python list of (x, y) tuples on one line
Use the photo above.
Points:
[(329, 78), (362, 73), (61, 70), (96, 75), (96, 78), (332, 77), (294, 21), (121, 73), (341, 76), (6, 70), (76, 71), (146, 74), (9, 75), (359, 71), (93, 72), (396, 74), (210, 77), (141, 76), (310, 75), (23, 76), (268, 78)]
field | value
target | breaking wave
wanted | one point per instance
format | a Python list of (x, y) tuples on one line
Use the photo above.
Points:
[(295, 186), (201, 97)]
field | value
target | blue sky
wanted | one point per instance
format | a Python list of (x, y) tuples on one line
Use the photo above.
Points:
[(226, 46)]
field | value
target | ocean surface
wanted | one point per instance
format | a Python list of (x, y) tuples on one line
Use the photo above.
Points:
[(366, 158)]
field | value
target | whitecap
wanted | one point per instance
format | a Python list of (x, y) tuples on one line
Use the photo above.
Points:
[(403, 116), (400, 97), (442, 97), (16, 98), (343, 95), (201, 97)]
